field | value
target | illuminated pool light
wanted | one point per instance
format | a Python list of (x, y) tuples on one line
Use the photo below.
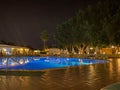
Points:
[(29, 63)]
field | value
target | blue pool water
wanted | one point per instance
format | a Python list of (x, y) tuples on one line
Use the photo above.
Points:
[(40, 63)]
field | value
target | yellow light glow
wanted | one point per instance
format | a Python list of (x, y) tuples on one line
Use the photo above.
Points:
[(112, 46), (103, 52), (95, 52), (4, 49), (26, 49), (118, 59), (91, 48), (46, 50), (13, 48), (21, 49), (36, 50), (13, 64), (21, 61)]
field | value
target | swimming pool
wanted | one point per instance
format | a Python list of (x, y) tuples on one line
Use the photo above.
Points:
[(42, 63)]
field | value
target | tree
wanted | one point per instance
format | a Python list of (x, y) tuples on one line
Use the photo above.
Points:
[(97, 25), (113, 30), (44, 37)]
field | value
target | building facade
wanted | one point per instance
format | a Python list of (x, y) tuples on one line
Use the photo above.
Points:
[(13, 50)]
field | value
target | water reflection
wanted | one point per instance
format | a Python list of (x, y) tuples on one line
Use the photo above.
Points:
[(12, 61)]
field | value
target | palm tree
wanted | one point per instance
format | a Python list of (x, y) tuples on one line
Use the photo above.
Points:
[(44, 37)]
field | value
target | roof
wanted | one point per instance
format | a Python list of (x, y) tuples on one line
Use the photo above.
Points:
[(10, 46)]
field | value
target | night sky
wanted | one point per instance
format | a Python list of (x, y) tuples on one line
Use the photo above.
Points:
[(21, 22)]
